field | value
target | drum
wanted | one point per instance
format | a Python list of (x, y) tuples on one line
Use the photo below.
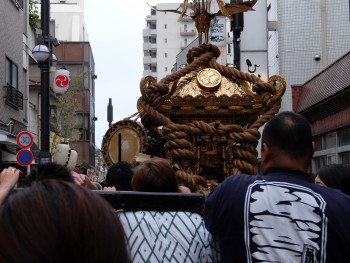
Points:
[(123, 141)]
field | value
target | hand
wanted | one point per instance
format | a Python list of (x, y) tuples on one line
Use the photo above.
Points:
[(184, 189), (8, 179), (84, 180), (109, 188)]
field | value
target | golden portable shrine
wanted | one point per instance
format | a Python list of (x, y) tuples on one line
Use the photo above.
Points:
[(205, 118)]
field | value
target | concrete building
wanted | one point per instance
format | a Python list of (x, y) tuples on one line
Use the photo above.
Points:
[(308, 46), (74, 54), (304, 38), (324, 101), (17, 40)]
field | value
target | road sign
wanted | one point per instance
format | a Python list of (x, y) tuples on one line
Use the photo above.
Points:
[(24, 157), (24, 139)]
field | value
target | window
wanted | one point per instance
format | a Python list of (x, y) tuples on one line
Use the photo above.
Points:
[(185, 41), (165, 26), (331, 159), (344, 136), (324, 160), (166, 69), (319, 162), (166, 55), (14, 98), (318, 143), (82, 134), (11, 73), (345, 157), (165, 40), (330, 140), (185, 27)]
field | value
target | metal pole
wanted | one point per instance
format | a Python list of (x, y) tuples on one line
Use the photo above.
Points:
[(237, 27), (110, 112), (45, 156)]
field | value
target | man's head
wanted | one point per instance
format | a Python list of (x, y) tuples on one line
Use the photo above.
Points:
[(119, 175), (287, 142)]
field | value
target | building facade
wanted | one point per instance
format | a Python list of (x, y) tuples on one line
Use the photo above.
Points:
[(163, 38), (324, 101), (74, 53), (17, 40), (304, 38)]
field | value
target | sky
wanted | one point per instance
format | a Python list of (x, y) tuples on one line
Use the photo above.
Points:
[(115, 35)]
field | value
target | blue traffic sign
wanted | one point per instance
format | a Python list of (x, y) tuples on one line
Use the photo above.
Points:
[(24, 157)]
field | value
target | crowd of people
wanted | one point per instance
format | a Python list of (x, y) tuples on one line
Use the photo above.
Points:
[(286, 214)]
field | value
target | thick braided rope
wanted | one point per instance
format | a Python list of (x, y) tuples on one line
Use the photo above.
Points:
[(178, 136)]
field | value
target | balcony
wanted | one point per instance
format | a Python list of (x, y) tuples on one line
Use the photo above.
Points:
[(151, 18), (147, 72), (187, 19), (149, 32), (13, 98), (149, 46), (149, 60), (189, 32)]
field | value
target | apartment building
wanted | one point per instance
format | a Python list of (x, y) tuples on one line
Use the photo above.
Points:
[(17, 40), (163, 38)]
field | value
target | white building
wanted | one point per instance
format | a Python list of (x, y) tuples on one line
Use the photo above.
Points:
[(304, 38), (68, 19), (164, 37)]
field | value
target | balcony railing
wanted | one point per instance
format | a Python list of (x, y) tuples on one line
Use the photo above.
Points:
[(14, 98)]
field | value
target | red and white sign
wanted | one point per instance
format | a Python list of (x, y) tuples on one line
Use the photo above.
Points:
[(24, 139), (24, 157), (61, 81)]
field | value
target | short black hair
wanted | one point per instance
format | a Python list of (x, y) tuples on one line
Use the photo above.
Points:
[(119, 175), (289, 133), (50, 171)]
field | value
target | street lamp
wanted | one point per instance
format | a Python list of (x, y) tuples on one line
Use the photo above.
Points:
[(42, 54)]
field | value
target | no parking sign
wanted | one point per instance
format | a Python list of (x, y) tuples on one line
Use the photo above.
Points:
[(24, 157)]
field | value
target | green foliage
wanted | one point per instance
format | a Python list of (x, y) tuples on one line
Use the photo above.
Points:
[(33, 13)]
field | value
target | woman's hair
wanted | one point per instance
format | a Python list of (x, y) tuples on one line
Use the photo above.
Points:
[(49, 171), (154, 175), (57, 221), (336, 176)]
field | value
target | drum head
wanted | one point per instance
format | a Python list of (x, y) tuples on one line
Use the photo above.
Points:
[(123, 141)]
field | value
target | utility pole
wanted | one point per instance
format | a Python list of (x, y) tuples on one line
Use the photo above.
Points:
[(45, 156)]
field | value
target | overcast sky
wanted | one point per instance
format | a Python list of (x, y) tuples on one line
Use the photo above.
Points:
[(115, 34)]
